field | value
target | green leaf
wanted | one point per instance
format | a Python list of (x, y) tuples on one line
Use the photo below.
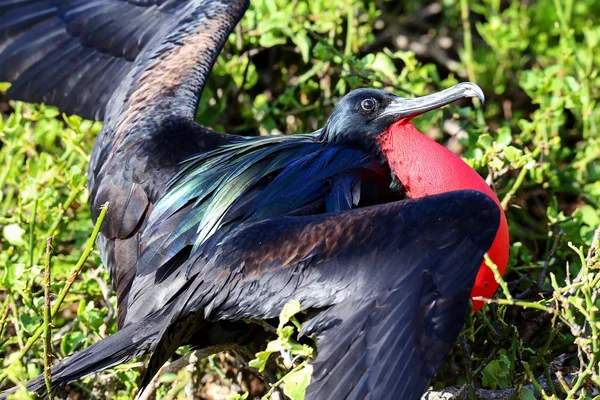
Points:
[(513, 154), (486, 141), (51, 112), (275, 346), (383, 63), (71, 341), (303, 43), (296, 382), (286, 332), (497, 372), (10, 273), (268, 39), (504, 137), (92, 317), (527, 394), (30, 322), (321, 51), (260, 361), (589, 215), (289, 310), (572, 84)]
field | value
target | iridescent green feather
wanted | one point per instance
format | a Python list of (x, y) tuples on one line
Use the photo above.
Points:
[(292, 171)]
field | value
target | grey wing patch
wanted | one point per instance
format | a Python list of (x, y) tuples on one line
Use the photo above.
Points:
[(170, 78), (74, 54)]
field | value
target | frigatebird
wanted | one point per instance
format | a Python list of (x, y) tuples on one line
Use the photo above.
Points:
[(377, 230)]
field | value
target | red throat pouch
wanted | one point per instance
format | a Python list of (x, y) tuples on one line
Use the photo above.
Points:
[(427, 168)]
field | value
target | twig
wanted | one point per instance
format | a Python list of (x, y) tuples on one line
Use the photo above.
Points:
[(189, 358), (47, 317), (498, 276), (245, 355), (265, 325), (549, 257), (582, 377), (385, 82), (594, 247), (349, 32), (274, 386), (88, 250), (63, 293), (548, 376), (4, 315), (350, 71), (534, 381), (556, 366), (468, 39), (469, 384), (520, 303), (513, 190), (63, 207)]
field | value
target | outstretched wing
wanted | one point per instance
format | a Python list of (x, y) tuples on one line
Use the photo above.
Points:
[(140, 65), (389, 285), (397, 278), (74, 54), (392, 282)]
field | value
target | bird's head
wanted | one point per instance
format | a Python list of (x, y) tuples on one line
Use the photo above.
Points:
[(366, 113), (359, 116), (424, 167)]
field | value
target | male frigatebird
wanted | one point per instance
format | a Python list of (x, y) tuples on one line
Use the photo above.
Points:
[(246, 224)]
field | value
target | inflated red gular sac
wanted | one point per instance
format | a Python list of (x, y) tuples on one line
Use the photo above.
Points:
[(426, 168)]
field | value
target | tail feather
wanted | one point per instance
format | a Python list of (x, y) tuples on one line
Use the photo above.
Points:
[(132, 341)]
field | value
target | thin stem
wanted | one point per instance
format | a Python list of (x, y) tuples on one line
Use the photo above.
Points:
[(513, 190), (63, 293), (274, 386), (469, 370), (47, 317), (10, 193), (349, 31), (190, 358), (582, 377), (65, 206), (520, 303), (468, 39), (534, 381), (88, 250), (491, 265), (468, 54), (4, 315)]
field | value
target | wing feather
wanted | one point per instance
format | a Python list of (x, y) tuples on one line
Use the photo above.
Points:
[(396, 278), (387, 289), (139, 65)]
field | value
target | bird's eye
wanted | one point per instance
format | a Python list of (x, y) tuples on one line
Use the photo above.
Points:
[(368, 104)]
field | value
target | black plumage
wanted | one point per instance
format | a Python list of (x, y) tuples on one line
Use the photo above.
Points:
[(394, 292), (139, 66), (208, 229)]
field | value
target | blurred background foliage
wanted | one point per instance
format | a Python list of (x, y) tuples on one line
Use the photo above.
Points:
[(536, 140)]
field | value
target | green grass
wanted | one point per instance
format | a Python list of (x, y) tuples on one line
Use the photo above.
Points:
[(537, 139)]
